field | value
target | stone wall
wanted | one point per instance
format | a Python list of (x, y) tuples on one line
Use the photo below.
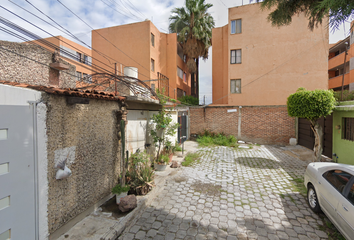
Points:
[(29, 63), (259, 124), (88, 136)]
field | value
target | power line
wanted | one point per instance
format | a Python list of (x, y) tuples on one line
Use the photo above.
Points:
[(103, 36), (136, 18), (70, 34)]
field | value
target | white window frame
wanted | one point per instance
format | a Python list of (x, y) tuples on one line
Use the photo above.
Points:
[(236, 26)]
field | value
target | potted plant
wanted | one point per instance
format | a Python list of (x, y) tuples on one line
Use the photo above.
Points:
[(162, 122), (169, 149), (120, 191), (161, 162)]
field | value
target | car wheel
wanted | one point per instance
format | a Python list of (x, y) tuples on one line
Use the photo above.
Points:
[(312, 199)]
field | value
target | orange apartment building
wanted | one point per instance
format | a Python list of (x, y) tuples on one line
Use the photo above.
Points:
[(256, 64), (73, 53), (340, 65), (156, 55)]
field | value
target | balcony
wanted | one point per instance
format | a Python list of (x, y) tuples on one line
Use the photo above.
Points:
[(336, 82), (337, 61)]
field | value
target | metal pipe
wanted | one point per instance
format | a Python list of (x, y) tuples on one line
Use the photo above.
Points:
[(33, 104)]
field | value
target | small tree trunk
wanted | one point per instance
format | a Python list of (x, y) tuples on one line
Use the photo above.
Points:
[(317, 149)]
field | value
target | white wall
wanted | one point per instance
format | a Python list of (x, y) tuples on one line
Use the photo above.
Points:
[(10, 95)]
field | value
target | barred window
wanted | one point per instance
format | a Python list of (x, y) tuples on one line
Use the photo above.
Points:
[(348, 129)]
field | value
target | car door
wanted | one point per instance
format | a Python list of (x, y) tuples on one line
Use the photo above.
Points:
[(331, 189), (345, 211)]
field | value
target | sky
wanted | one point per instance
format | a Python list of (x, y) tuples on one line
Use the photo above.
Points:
[(106, 13)]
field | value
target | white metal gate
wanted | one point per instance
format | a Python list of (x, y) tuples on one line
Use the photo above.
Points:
[(17, 176)]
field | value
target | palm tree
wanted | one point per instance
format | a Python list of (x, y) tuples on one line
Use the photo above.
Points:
[(193, 25)]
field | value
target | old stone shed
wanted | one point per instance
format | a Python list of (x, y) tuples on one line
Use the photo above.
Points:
[(41, 126)]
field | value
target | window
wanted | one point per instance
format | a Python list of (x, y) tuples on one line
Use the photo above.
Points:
[(184, 93), (184, 58), (236, 26), (348, 129), (152, 40), (179, 73), (337, 178), (235, 56), (184, 77), (152, 65), (85, 59), (153, 86), (235, 86), (78, 56), (78, 75), (351, 194)]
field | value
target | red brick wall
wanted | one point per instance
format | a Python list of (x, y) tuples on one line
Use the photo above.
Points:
[(259, 124)]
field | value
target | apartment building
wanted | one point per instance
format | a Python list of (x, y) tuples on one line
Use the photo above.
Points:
[(255, 63), (341, 65), (156, 57), (72, 52)]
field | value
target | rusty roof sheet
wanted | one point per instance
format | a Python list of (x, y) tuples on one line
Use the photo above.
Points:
[(68, 91)]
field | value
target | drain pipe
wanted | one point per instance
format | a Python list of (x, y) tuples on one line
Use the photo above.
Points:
[(33, 105)]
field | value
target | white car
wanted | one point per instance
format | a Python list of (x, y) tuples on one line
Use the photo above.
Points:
[(330, 188)]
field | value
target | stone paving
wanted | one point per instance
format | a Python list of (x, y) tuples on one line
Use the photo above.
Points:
[(232, 194)]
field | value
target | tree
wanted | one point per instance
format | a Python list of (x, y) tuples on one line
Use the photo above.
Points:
[(338, 11), (312, 105), (193, 25)]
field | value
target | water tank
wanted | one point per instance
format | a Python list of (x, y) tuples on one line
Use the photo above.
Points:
[(131, 72)]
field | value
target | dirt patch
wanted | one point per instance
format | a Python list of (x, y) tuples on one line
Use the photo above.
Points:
[(111, 207), (179, 179), (206, 188)]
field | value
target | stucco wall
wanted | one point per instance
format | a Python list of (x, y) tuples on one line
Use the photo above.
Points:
[(89, 133), (344, 149), (276, 61), (29, 63)]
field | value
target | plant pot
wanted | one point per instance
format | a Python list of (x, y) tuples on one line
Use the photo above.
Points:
[(160, 167), (159, 133), (119, 196)]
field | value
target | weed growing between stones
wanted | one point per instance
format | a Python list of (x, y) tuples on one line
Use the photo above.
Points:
[(190, 159), (330, 229)]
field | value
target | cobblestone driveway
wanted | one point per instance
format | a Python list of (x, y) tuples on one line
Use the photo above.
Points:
[(232, 194)]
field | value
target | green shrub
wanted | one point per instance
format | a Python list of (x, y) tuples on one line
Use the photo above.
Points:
[(188, 100), (347, 96), (140, 173), (208, 138), (118, 189)]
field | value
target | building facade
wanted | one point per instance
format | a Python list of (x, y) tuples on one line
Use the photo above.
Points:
[(255, 63), (156, 57), (72, 52), (341, 64)]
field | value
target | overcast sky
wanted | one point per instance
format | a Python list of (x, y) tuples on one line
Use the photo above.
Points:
[(106, 13)]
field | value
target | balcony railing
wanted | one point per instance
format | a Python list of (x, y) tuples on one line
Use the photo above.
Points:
[(336, 82), (337, 61)]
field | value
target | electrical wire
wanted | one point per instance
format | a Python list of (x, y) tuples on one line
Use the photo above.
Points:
[(102, 36)]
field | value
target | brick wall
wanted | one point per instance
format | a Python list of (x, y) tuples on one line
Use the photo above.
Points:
[(29, 63), (259, 124), (91, 132)]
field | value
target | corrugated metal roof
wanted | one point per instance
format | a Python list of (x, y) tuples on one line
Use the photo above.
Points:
[(68, 91)]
